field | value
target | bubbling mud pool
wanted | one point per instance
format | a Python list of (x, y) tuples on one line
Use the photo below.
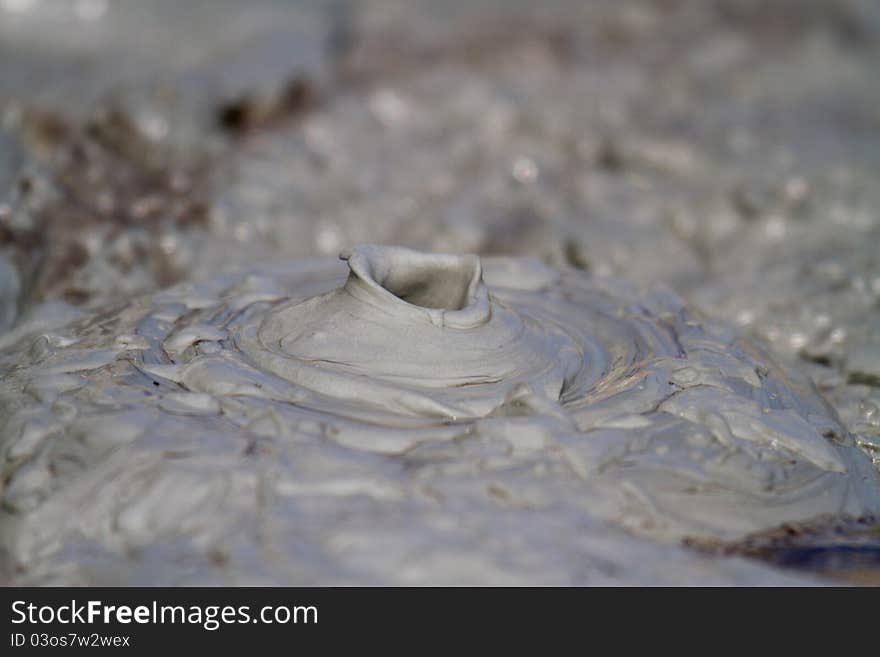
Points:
[(409, 418)]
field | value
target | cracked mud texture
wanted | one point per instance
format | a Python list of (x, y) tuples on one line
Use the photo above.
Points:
[(729, 150)]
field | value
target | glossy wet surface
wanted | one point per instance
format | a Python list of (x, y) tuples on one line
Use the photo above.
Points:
[(727, 149)]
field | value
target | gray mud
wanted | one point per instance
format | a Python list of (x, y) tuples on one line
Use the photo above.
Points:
[(727, 151)]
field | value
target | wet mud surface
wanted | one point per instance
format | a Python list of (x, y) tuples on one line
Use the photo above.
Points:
[(729, 151)]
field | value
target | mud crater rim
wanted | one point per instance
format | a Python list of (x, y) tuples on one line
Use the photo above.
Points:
[(441, 282)]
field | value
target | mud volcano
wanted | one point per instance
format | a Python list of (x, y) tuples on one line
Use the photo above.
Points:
[(408, 418)]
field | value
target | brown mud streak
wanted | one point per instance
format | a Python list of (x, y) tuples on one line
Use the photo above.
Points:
[(845, 549), (250, 112)]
